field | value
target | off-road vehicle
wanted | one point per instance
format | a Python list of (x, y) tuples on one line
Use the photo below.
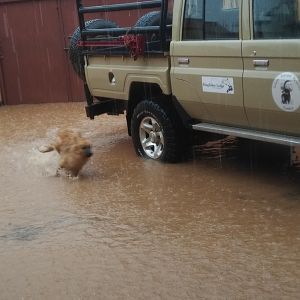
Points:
[(223, 66)]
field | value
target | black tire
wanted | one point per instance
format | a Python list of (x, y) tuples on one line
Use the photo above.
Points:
[(74, 52), (155, 132), (152, 19)]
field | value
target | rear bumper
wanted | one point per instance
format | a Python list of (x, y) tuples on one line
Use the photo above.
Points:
[(111, 107)]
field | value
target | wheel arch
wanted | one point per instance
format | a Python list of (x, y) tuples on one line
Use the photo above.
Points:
[(140, 91)]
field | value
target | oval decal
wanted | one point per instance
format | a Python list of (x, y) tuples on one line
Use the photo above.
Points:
[(286, 91)]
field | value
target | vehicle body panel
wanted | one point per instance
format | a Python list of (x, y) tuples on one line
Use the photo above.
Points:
[(125, 70), (212, 60)]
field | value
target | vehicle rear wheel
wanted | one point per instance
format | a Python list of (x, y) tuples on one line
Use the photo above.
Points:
[(74, 52), (154, 132)]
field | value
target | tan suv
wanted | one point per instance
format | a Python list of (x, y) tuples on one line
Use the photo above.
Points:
[(224, 66)]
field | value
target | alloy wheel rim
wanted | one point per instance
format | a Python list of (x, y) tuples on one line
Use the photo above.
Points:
[(151, 137)]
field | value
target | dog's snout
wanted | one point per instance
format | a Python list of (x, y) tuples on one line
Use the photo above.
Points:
[(88, 152)]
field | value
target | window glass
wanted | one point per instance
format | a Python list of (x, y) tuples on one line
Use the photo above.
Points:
[(276, 19), (193, 20), (211, 20)]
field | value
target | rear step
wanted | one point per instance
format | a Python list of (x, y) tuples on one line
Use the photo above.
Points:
[(249, 134)]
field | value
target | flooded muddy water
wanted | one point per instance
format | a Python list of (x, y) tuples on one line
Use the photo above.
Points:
[(222, 225)]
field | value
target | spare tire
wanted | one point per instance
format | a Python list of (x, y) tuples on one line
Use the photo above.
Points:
[(153, 19), (74, 52)]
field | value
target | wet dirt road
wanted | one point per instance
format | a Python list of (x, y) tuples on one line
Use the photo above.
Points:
[(224, 224)]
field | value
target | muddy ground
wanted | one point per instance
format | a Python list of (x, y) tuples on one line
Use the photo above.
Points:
[(222, 224)]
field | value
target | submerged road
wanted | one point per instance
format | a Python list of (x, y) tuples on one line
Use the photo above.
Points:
[(224, 224)]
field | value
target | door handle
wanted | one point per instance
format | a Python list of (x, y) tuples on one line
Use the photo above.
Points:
[(183, 60), (261, 62)]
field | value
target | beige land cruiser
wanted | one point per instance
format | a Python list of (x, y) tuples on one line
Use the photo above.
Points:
[(224, 66)]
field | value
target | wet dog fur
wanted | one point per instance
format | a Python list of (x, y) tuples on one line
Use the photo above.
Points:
[(74, 151)]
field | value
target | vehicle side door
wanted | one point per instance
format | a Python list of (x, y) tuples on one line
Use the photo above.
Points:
[(272, 66), (206, 62)]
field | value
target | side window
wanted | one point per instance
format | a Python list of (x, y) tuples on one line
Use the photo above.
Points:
[(211, 20), (276, 19), (193, 28)]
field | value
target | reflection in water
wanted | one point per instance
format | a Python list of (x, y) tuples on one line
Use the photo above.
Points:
[(223, 224)]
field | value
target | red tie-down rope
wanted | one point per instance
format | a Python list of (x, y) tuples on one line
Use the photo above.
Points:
[(134, 43)]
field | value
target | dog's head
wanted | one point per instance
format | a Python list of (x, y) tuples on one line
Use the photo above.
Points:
[(69, 142), (86, 149), (82, 147)]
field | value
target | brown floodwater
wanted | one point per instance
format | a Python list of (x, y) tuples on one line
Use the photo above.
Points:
[(222, 224)]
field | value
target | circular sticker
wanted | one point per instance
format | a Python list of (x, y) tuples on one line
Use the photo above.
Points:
[(286, 91)]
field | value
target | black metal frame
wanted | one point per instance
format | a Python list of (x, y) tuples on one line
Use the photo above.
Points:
[(91, 34)]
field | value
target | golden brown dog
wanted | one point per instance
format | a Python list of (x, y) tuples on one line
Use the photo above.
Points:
[(74, 151)]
